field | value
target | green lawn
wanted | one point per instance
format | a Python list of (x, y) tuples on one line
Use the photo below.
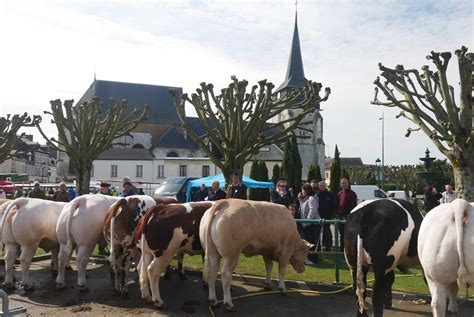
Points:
[(323, 272)]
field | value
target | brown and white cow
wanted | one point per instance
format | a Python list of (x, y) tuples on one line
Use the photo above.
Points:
[(164, 231), (119, 231), (235, 226)]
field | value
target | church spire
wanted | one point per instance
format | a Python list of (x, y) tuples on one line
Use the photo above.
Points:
[(295, 71)]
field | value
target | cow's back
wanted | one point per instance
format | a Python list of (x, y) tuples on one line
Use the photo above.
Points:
[(88, 213), (36, 220), (437, 244), (251, 226), (386, 227)]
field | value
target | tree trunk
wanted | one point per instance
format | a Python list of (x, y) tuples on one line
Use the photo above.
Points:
[(83, 177), (464, 180)]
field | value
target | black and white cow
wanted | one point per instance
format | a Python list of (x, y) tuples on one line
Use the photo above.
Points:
[(381, 234)]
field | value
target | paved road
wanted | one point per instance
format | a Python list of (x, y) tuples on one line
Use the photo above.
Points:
[(185, 298)]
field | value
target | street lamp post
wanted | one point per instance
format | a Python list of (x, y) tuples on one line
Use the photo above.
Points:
[(43, 165), (383, 149), (377, 164)]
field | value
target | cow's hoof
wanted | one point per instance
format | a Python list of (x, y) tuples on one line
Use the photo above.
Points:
[(213, 303), (229, 307), (83, 288), (9, 286), (267, 286), (159, 305), (182, 276), (283, 291), (30, 288), (205, 285), (123, 294)]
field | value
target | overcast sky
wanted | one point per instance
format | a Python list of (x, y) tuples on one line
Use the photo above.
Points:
[(51, 49)]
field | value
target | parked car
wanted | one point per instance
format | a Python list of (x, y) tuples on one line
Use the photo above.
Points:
[(174, 187), (397, 194), (367, 192)]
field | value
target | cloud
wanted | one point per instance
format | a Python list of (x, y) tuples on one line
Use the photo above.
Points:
[(54, 48)]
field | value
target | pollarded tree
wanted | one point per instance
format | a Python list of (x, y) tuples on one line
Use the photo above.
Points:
[(404, 177), (238, 122), (426, 99), (85, 131), (361, 175), (9, 138)]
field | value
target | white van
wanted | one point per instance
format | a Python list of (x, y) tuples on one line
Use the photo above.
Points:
[(367, 192), (397, 194)]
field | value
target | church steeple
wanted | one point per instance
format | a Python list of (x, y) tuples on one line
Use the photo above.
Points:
[(295, 71)]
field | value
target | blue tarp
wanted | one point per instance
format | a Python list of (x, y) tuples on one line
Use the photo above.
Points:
[(207, 181)]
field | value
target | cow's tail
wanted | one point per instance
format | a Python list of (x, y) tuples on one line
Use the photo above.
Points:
[(10, 211), (115, 207), (209, 244), (460, 208), (360, 286), (75, 204)]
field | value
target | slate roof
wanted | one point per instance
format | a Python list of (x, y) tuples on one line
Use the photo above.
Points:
[(126, 154), (295, 72), (175, 139), (162, 109), (345, 161)]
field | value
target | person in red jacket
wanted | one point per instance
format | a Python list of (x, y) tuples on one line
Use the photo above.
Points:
[(347, 200)]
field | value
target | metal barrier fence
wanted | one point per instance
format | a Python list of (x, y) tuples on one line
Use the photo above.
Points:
[(337, 253)]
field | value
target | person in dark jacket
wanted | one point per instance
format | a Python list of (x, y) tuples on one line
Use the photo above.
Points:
[(281, 195), (327, 205), (215, 193), (237, 189), (201, 194), (37, 192), (105, 189), (432, 198), (61, 194), (347, 200), (127, 189)]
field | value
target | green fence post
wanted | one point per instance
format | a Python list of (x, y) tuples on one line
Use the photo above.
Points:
[(336, 256)]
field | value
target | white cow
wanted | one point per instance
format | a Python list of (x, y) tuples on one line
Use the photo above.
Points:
[(80, 224), (445, 245), (29, 223), (234, 226)]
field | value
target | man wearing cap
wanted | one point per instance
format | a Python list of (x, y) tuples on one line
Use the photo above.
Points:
[(37, 192), (61, 194), (105, 189), (127, 189)]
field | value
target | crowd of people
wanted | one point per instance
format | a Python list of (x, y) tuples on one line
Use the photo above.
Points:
[(433, 198)]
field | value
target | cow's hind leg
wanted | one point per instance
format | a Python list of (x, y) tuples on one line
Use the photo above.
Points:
[(438, 297), (10, 256), (63, 262), (378, 295), (213, 261), (27, 253), (228, 266), (181, 273), (54, 261), (389, 279), (452, 295), (156, 267), (83, 254), (144, 282)]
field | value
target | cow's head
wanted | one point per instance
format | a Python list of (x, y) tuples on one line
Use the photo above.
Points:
[(299, 255)]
